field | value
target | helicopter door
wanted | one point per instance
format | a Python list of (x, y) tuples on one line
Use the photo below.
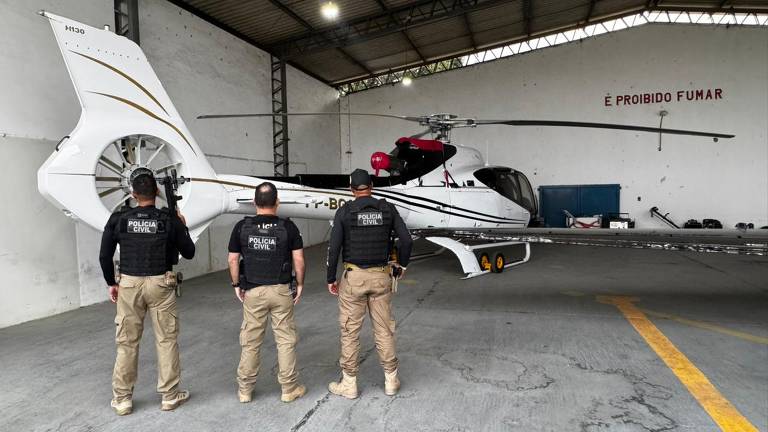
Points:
[(480, 205), (430, 205)]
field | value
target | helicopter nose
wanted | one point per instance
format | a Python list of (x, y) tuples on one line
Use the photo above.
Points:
[(380, 161)]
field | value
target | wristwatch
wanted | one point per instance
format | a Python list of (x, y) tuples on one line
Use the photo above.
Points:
[(235, 284)]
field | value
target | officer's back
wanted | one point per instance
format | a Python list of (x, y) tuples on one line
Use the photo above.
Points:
[(362, 232), (271, 249), (150, 240)]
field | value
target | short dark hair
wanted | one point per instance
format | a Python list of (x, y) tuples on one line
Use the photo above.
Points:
[(145, 186), (266, 195)]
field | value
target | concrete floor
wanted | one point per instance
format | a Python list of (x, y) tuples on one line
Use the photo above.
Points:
[(528, 350)]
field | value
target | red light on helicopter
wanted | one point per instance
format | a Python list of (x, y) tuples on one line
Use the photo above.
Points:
[(380, 161)]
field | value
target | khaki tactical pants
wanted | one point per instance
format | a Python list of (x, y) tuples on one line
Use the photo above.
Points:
[(362, 289), (137, 295), (276, 303)]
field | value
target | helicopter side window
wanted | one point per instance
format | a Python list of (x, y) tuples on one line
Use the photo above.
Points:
[(510, 184), (486, 177), (528, 201)]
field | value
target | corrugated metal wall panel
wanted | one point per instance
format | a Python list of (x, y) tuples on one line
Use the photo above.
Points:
[(438, 32), (309, 10), (383, 46), (551, 16), (496, 17), (385, 63), (330, 65), (447, 47), (494, 36), (611, 7)]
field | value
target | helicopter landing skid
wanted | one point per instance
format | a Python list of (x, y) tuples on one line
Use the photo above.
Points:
[(470, 265)]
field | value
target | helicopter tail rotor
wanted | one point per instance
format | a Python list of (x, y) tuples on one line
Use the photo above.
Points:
[(128, 123)]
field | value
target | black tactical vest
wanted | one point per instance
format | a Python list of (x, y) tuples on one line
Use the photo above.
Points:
[(143, 237), (367, 233), (266, 254)]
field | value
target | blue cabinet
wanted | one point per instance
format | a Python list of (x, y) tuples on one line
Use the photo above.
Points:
[(580, 200)]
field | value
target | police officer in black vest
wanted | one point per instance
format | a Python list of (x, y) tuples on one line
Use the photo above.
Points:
[(271, 249), (150, 240), (363, 228)]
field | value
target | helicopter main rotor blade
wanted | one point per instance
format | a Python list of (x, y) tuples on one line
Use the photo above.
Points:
[(221, 116), (557, 123)]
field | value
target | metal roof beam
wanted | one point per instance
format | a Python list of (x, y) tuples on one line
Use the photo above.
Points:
[(469, 30), (398, 19), (386, 9), (714, 9), (288, 11), (527, 15), (590, 10)]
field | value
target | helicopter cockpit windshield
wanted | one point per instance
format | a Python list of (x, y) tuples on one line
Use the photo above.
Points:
[(511, 184)]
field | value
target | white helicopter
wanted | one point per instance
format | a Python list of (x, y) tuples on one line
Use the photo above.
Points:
[(444, 192)]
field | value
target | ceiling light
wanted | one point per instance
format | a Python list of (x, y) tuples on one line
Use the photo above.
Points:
[(330, 10), (407, 80)]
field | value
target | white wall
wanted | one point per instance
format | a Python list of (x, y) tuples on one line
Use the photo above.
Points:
[(38, 258), (690, 178), (49, 264)]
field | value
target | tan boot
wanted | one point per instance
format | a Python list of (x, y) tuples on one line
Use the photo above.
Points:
[(347, 387), (293, 395), (244, 397), (170, 405), (123, 407), (391, 383)]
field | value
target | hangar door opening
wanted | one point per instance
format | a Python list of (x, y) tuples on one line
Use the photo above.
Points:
[(579, 200)]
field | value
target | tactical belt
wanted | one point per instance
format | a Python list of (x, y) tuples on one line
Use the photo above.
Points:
[(379, 268), (171, 278)]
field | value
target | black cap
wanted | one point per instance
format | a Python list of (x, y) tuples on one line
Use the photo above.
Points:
[(141, 172), (360, 179)]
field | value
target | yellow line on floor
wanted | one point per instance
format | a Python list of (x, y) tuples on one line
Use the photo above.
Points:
[(727, 417), (693, 323), (708, 326)]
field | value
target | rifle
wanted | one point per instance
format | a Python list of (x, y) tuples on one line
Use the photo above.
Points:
[(171, 185)]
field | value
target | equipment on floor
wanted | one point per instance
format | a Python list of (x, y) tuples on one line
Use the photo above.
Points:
[(692, 223), (618, 221), (711, 224), (743, 226), (572, 221), (664, 217)]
